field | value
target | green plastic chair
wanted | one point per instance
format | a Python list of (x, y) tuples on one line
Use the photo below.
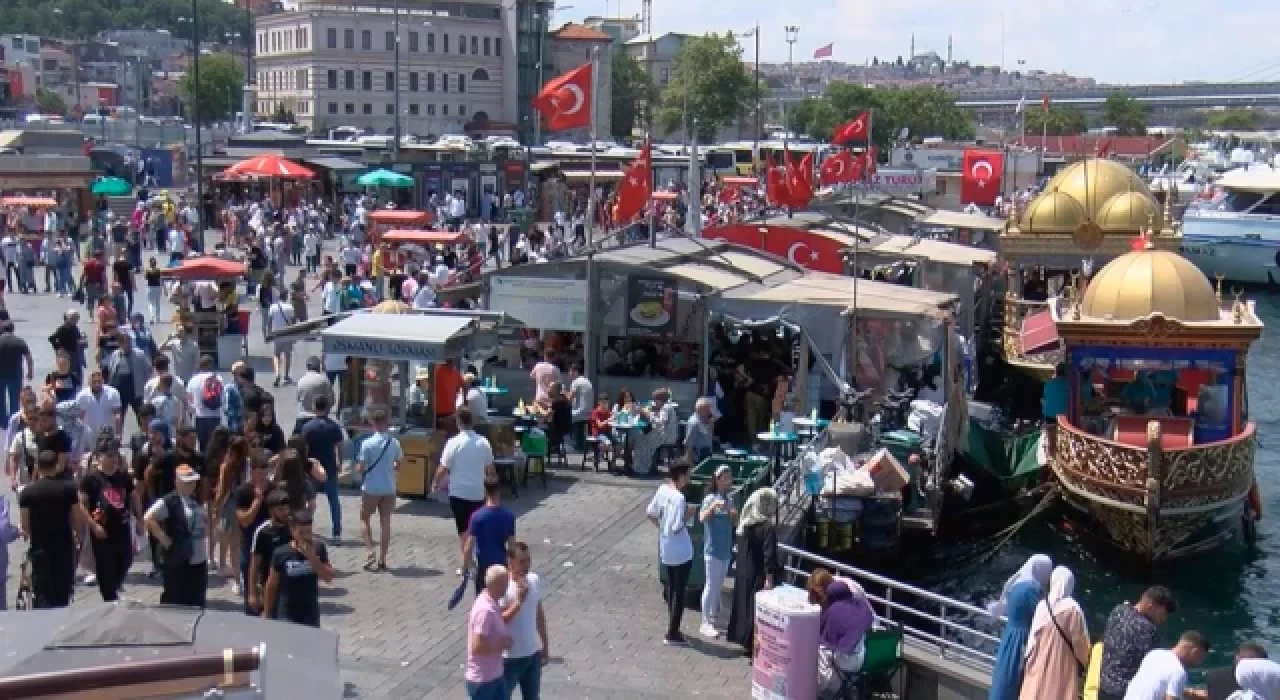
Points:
[(536, 447), (880, 663)]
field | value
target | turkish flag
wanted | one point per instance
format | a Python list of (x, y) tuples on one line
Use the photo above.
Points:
[(857, 168), (1104, 148), (729, 194), (855, 130), (635, 189), (775, 186), (836, 168), (565, 101), (980, 173), (800, 182)]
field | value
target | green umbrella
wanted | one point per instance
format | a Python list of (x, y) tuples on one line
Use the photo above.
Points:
[(384, 178), (111, 186)]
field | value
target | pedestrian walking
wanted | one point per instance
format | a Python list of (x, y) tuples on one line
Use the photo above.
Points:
[(670, 513), (178, 523), (51, 511), (108, 495), (377, 462), (717, 515), (297, 568), (14, 354), (488, 638), (465, 464), (491, 530), (522, 610), (324, 438), (270, 534)]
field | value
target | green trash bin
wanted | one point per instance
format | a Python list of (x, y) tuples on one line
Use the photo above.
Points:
[(901, 444)]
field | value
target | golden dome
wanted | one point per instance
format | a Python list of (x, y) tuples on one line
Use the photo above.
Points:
[(1128, 212), (1053, 212), (1139, 284), (1097, 187)]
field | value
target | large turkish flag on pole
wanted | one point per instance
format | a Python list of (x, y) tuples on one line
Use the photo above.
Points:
[(565, 101), (981, 172)]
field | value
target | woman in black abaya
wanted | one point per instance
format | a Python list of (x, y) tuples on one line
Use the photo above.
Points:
[(758, 566)]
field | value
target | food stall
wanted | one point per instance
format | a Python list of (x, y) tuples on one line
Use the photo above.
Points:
[(387, 350), (216, 332), (383, 220)]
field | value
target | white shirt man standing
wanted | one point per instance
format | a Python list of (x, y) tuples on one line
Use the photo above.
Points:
[(100, 405), (466, 459), (582, 399), (1163, 673)]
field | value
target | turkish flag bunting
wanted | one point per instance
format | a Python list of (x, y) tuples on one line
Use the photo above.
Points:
[(565, 101), (1104, 148), (980, 173), (837, 168), (855, 130), (635, 189)]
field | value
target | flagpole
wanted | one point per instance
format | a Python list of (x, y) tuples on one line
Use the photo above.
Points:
[(652, 205), (589, 333), (694, 225), (857, 224)]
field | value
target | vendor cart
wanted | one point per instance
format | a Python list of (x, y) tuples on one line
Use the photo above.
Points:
[(216, 336), (384, 220)]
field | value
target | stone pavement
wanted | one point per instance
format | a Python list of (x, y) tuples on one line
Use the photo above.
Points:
[(590, 542)]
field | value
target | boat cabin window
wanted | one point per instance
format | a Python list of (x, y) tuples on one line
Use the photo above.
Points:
[(1191, 401), (1266, 203)]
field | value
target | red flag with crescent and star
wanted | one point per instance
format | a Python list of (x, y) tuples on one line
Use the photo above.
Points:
[(775, 186), (565, 101), (855, 130), (799, 181), (980, 173), (837, 168), (635, 189)]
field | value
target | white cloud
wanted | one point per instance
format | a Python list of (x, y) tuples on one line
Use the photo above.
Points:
[(1123, 41)]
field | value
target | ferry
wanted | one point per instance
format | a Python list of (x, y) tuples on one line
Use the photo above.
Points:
[(1237, 234)]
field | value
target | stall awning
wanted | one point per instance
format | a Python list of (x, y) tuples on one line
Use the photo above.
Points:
[(334, 163), (426, 238), (1038, 333), (584, 175), (400, 216), (399, 337), (933, 251), (959, 219)]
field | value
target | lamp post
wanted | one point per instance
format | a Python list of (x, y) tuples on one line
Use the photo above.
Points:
[(793, 34), (542, 40), (395, 69), (195, 118), (755, 148), (246, 101)]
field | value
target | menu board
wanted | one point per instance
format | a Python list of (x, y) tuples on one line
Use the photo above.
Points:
[(651, 306), (785, 666)]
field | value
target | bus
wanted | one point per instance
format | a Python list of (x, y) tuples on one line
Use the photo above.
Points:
[(745, 158)]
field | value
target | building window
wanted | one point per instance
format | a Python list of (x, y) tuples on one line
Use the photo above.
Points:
[(391, 41), (413, 109), (366, 108), (487, 44), (444, 110), (431, 110), (366, 40), (304, 34), (333, 108), (413, 42), (431, 82), (445, 48), (462, 44), (462, 82), (333, 80), (366, 81), (444, 82), (390, 81), (497, 46), (302, 79), (413, 82), (349, 80), (331, 38), (475, 46), (349, 108), (462, 110), (431, 42), (348, 38), (391, 110), (479, 74)]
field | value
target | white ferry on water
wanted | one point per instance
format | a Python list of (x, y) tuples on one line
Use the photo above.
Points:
[(1237, 234)]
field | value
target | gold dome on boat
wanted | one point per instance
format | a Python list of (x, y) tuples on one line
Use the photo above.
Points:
[(1128, 212), (1053, 212), (1141, 283), (1103, 191)]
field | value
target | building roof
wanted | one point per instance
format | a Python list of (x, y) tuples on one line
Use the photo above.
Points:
[(650, 38), (1119, 146), (579, 32)]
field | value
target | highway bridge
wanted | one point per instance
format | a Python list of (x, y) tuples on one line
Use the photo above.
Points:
[(1161, 99)]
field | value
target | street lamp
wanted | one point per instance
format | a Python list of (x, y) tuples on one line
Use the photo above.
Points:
[(755, 149), (1022, 102), (395, 69), (195, 120), (793, 34)]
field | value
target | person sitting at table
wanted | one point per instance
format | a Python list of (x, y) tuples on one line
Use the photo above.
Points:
[(598, 423), (662, 430), (699, 440), (1139, 395)]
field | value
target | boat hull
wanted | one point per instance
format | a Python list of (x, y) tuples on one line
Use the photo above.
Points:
[(1240, 247)]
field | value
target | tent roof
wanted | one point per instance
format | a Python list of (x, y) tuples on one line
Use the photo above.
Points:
[(931, 250)]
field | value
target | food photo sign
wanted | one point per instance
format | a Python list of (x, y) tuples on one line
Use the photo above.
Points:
[(651, 306)]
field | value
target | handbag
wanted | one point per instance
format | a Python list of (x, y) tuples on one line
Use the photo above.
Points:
[(1080, 668), (365, 474)]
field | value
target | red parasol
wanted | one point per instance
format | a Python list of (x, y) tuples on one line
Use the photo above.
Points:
[(400, 216), (270, 166), (425, 238), (205, 268)]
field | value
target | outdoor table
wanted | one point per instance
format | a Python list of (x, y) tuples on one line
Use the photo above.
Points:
[(809, 427), (623, 428), (735, 452), (493, 390), (777, 441)]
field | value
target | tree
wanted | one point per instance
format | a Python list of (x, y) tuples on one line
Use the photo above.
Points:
[(50, 102), (632, 87), (1233, 120), (923, 110), (1058, 121), (708, 87), (1126, 114), (221, 83), (814, 117)]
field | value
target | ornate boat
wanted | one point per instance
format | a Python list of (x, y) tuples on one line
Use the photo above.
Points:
[(1086, 216), (1155, 447)]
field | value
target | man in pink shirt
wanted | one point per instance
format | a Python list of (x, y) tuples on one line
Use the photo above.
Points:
[(487, 639), (544, 374)]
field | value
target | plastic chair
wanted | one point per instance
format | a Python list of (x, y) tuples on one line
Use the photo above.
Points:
[(536, 448), (593, 451), (880, 663)]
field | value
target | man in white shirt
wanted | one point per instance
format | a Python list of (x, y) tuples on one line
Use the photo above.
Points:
[(473, 398), (457, 210), (350, 259), (280, 315), (669, 512), (177, 245), (1163, 673), (526, 623), (207, 396), (310, 244), (331, 301), (465, 461), (100, 405), (425, 297), (582, 399)]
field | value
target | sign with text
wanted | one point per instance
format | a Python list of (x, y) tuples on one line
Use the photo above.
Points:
[(545, 304), (651, 306), (785, 666), (383, 348)]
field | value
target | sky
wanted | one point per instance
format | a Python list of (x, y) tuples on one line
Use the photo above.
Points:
[(1114, 41)]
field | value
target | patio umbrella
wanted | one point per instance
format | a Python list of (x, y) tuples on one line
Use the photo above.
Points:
[(271, 166), (384, 178), (111, 186)]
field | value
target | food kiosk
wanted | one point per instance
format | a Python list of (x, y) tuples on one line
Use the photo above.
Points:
[(384, 220), (214, 331), (386, 352)]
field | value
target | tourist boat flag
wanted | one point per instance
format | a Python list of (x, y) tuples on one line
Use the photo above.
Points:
[(565, 101), (837, 168)]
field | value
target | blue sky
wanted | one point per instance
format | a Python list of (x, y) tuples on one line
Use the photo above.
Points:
[(1122, 41)]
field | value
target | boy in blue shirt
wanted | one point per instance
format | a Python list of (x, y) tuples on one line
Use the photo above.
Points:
[(491, 529)]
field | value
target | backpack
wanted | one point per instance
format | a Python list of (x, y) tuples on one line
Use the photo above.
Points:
[(211, 393)]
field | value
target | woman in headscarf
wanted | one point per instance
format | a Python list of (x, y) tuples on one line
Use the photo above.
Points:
[(1058, 644), (1259, 679), (846, 619), (1018, 604), (757, 565)]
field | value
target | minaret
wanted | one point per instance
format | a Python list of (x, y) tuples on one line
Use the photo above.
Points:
[(949, 47), (913, 48)]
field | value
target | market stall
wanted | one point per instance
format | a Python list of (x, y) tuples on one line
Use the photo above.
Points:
[(386, 354), (203, 292), (382, 221)]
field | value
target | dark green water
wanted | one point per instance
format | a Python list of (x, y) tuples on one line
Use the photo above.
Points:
[(1231, 596)]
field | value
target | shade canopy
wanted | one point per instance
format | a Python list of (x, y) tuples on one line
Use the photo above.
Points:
[(403, 217), (272, 166), (425, 238), (740, 181), (666, 196), (384, 178), (205, 268), (111, 186), (24, 201), (397, 337)]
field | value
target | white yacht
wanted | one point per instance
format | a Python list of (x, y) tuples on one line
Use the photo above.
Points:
[(1237, 233)]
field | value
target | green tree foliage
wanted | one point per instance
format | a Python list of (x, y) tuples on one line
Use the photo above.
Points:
[(50, 102), (1233, 120), (631, 89), (708, 86), (220, 89), (1126, 114), (923, 110), (1060, 121), (79, 19)]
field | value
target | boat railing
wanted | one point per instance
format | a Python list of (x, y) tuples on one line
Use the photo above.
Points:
[(957, 631)]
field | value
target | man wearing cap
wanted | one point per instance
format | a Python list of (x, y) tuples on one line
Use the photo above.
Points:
[(297, 567), (270, 534), (178, 523), (108, 496), (311, 386)]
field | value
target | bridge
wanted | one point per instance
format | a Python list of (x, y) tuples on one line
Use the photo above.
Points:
[(1160, 99)]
